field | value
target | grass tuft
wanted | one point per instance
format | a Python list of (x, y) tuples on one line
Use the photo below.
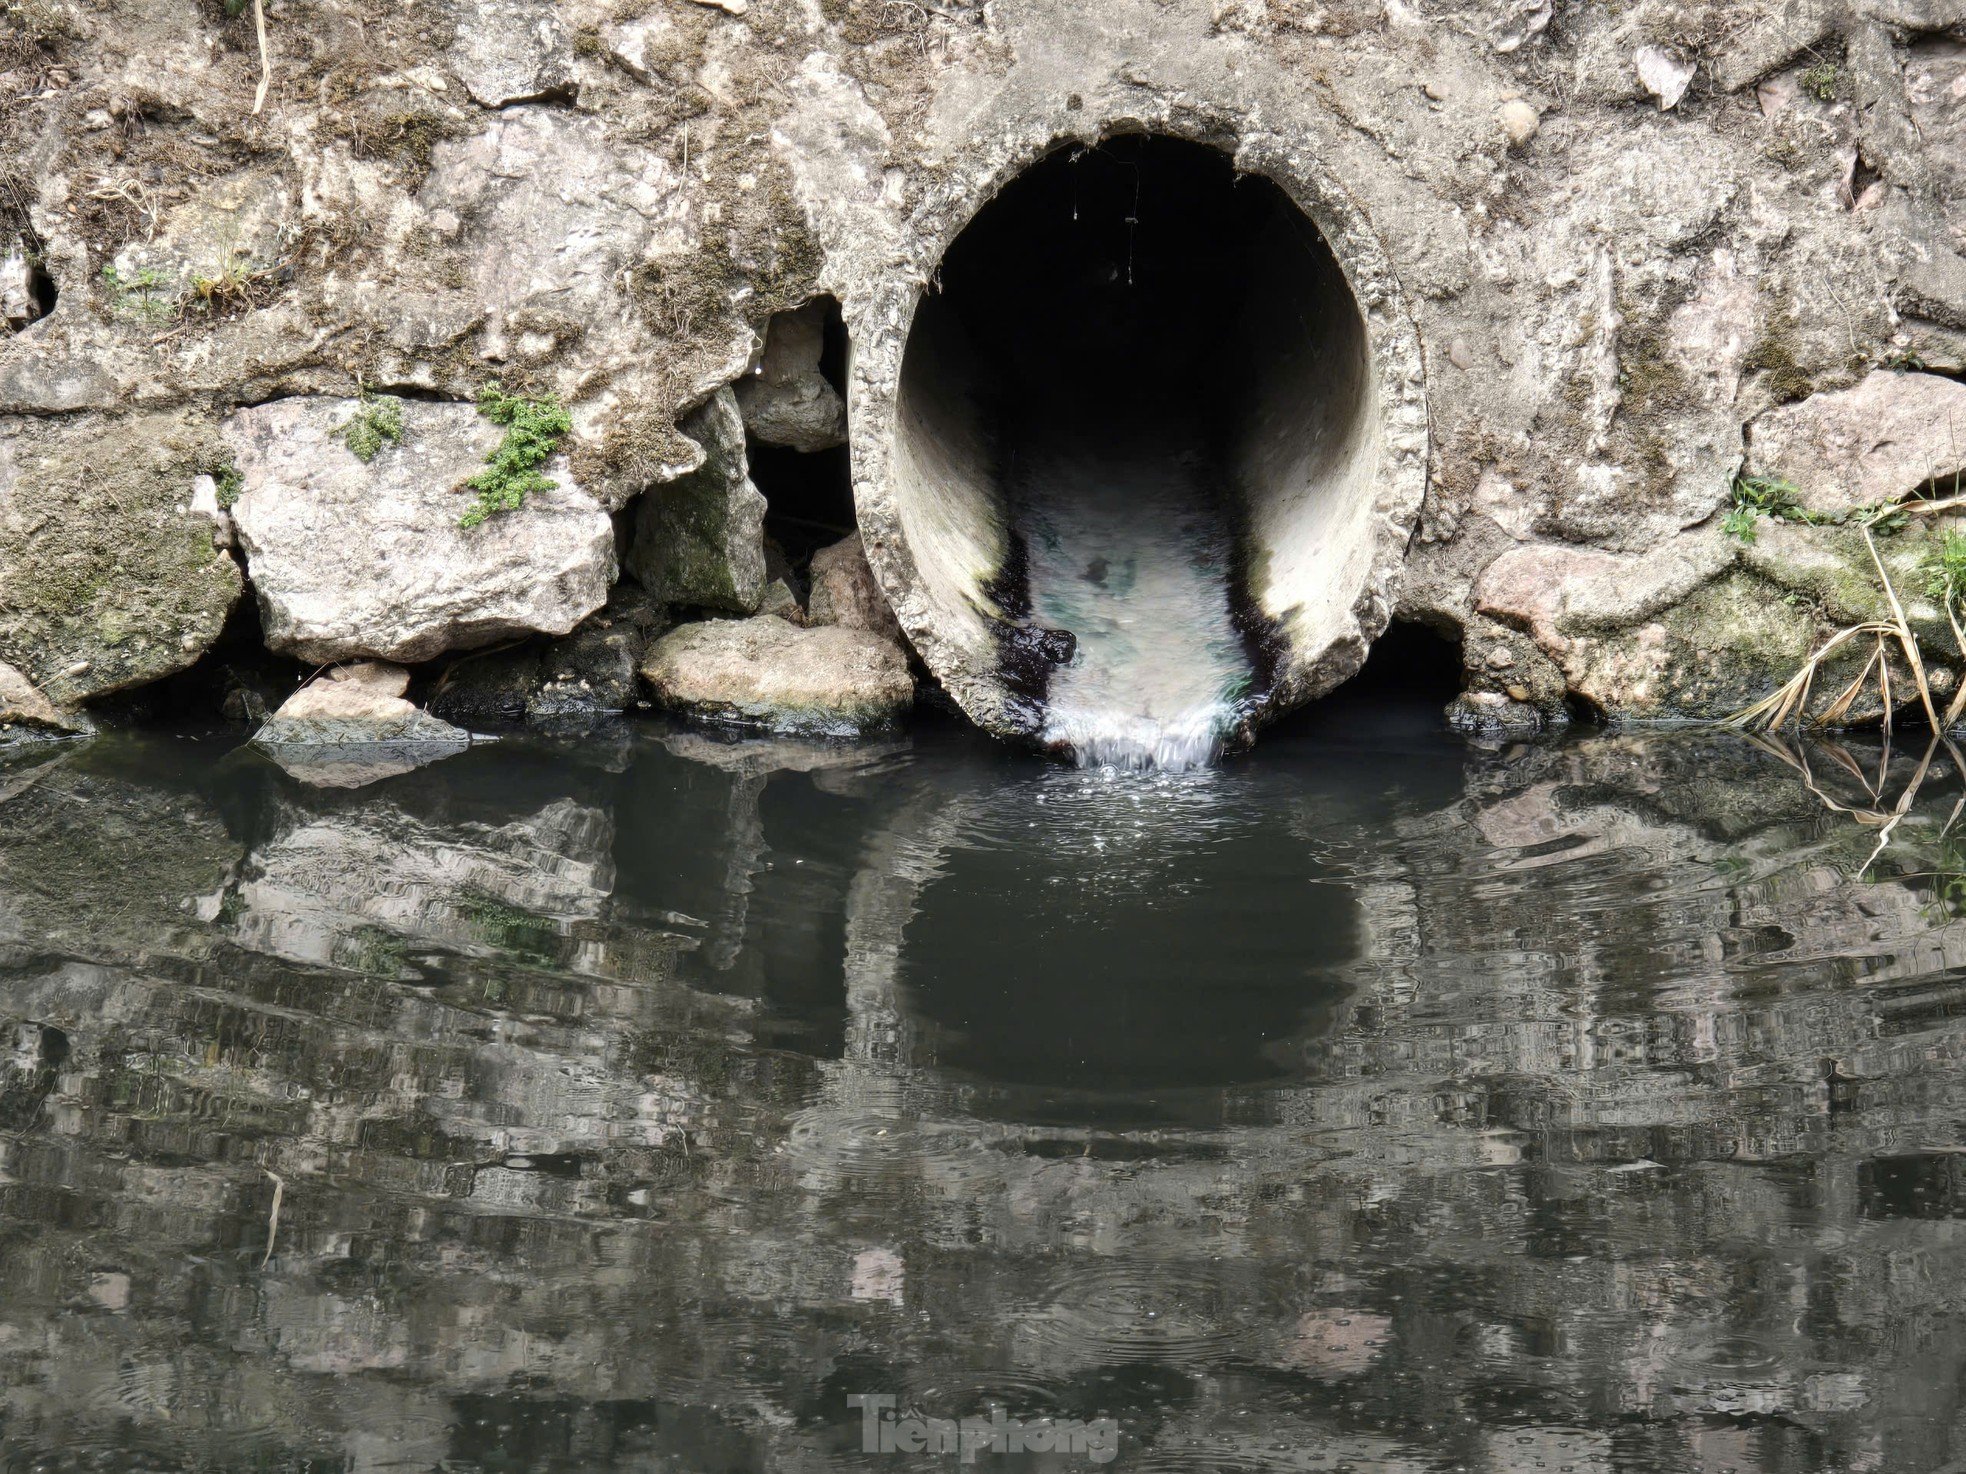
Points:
[(1946, 571), (1756, 497)]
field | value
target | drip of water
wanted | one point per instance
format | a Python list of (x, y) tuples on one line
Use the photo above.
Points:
[(1130, 551)]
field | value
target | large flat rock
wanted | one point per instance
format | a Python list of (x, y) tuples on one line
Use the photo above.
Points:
[(767, 673), (1879, 441), (354, 559)]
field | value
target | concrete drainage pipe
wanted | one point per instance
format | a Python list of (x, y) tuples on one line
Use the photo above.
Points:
[(1141, 473)]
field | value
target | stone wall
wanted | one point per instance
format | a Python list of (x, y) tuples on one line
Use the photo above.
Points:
[(1642, 247)]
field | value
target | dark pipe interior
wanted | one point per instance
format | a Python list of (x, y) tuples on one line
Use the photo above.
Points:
[(1098, 284), (1147, 373), (1097, 289)]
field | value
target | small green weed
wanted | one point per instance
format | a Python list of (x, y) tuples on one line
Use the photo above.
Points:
[(237, 286), (377, 423), (140, 295), (533, 428), (1739, 523), (1945, 569), (1756, 497), (1820, 81)]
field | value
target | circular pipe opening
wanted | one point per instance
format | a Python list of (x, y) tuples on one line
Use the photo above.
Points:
[(1135, 492)]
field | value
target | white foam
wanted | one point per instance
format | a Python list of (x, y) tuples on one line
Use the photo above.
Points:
[(1129, 552)]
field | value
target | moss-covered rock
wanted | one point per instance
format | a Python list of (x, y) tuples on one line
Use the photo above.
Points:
[(111, 579), (1831, 568), (700, 540), (1725, 646)]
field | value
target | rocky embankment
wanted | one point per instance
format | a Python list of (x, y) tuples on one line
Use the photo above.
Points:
[(520, 346)]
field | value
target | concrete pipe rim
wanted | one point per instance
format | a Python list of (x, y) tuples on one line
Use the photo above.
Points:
[(957, 643)]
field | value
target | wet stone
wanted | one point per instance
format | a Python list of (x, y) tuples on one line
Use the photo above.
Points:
[(769, 673)]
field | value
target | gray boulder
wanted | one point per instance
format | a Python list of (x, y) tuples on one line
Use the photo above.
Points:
[(108, 577), (699, 541), (766, 673), (354, 559), (548, 220), (1876, 442), (355, 704), (845, 593), (787, 401)]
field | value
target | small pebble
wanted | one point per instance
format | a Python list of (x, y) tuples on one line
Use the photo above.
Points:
[(1519, 121)]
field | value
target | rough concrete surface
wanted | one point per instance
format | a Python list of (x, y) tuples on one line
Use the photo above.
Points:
[(1604, 255)]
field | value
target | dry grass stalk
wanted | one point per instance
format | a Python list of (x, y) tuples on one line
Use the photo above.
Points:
[(1789, 703), (1879, 811), (265, 60)]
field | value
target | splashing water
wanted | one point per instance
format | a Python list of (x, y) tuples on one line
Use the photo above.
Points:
[(1129, 550)]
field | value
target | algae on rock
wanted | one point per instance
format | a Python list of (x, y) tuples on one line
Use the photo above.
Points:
[(108, 578), (699, 540)]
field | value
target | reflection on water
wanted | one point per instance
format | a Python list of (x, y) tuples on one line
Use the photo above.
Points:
[(630, 1101)]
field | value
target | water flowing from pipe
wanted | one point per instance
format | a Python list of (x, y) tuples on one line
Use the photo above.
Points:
[(1129, 550)]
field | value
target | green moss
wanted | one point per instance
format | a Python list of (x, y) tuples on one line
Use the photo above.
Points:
[(116, 590), (1735, 638), (142, 295), (377, 423), (533, 428), (225, 476), (1820, 81), (1774, 354)]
